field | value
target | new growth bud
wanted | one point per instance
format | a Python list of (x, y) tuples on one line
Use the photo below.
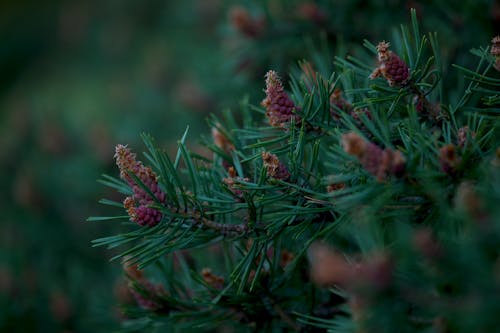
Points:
[(138, 205), (337, 101), (279, 107), (327, 267), (244, 23), (275, 169), (390, 66), (464, 133), (377, 161), (449, 159), (146, 294), (223, 143), (232, 184)]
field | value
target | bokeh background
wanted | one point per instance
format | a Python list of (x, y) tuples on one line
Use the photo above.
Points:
[(78, 77)]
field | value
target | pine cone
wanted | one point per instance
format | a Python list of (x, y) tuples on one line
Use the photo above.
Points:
[(390, 66), (138, 205), (448, 159), (377, 161), (275, 168), (279, 106), (338, 101), (244, 23)]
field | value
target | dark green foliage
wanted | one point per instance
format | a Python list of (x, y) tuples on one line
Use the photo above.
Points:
[(342, 244)]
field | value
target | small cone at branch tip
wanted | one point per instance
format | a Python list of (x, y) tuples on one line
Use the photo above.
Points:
[(138, 205), (275, 169), (279, 107), (390, 66)]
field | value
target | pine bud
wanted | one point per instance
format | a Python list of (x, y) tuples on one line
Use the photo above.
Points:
[(244, 23), (495, 51), (377, 161), (390, 66), (286, 258), (138, 205), (335, 187), (356, 116), (448, 159), (275, 169), (221, 141), (327, 267), (337, 101), (463, 135), (148, 295), (421, 103), (215, 281), (428, 109), (232, 184), (129, 205), (279, 106), (132, 270), (353, 144)]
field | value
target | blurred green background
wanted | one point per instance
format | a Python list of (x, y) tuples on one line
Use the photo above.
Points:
[(78, 77)]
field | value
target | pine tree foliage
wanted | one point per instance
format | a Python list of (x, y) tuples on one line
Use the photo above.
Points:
[(370, 206)]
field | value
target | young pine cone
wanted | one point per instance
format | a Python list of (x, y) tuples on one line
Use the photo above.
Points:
[(138, 205), (390, 66), (245, 24), (279, 107), (449, 159), (275, 169), (377, 161)]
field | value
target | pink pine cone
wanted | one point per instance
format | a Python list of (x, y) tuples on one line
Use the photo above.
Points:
[(138, 205), (279, 106)]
